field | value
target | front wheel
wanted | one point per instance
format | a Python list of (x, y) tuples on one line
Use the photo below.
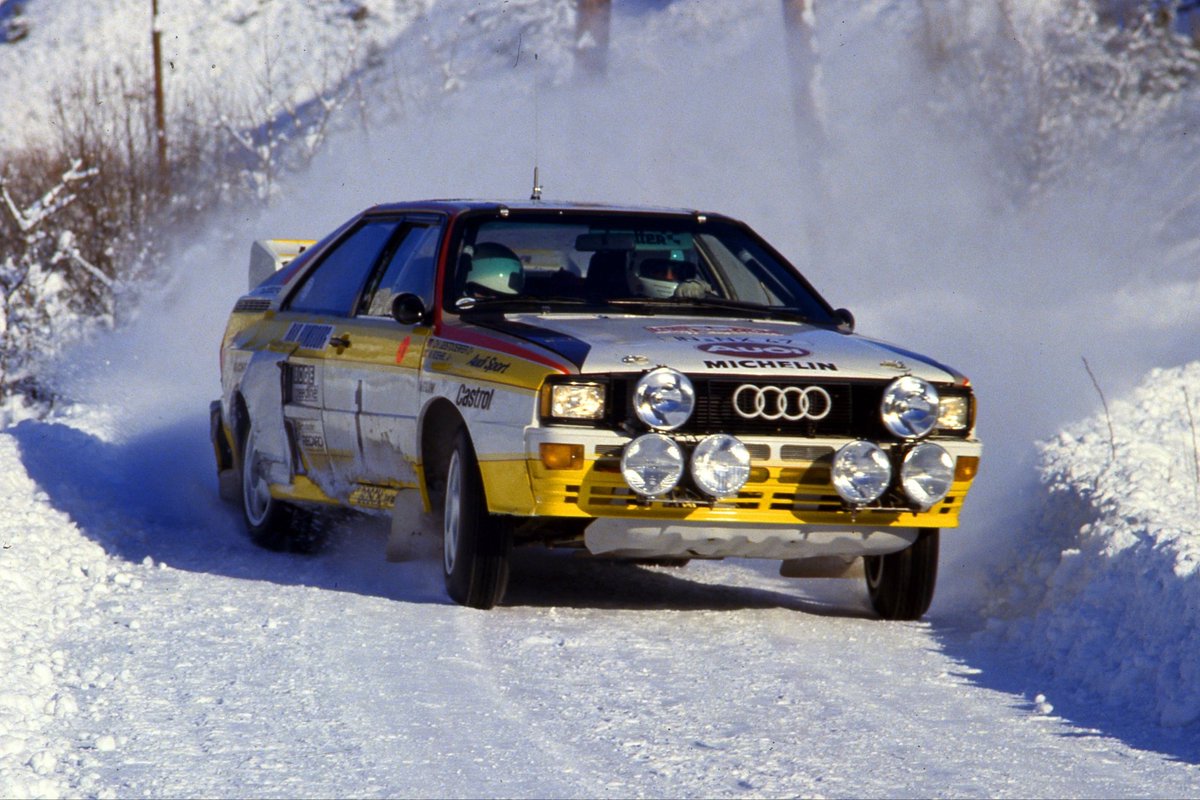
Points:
[(475, 544), (901, 584)]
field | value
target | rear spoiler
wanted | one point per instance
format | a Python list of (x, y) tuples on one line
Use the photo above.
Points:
[(268, 256)]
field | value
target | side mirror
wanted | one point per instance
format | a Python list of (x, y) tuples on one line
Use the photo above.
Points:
[(408, 309), (845, 319)]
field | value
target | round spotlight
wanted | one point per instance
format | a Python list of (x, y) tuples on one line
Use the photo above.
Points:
[(720, 465), (861, 473), (664, 399), (652, 464), (909, 407), (927, 474)]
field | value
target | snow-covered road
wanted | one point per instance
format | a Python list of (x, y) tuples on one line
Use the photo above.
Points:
[(202, 666)]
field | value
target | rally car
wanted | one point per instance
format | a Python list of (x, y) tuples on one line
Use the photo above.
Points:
[(644, 384)]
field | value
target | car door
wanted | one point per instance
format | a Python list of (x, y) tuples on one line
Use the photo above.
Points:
[(322, 401), (381, 359)]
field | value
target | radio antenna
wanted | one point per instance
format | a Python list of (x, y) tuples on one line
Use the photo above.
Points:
[(536, 195), (537, 187)]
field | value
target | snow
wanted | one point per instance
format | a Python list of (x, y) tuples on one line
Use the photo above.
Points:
[(149, 650), (1107, 588)]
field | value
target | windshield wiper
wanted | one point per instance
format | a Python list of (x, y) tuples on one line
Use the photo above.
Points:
[(520, 301), (718, 304)]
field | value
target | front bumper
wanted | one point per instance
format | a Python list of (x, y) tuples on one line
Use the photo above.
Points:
[(646, 539), (789, 486)]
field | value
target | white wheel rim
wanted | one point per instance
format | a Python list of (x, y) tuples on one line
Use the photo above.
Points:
[(256, 493), (452, 515)]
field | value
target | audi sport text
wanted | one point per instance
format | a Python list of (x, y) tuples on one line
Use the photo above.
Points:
[(653, 385)]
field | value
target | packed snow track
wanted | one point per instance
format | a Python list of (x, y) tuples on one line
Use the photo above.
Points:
[(197, 664)]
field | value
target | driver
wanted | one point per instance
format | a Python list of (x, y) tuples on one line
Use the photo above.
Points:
[(495, 270), (664, 278)]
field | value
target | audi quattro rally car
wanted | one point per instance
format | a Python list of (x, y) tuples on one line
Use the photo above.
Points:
[(640, 383)]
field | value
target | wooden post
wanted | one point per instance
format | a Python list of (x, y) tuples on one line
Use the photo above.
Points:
[(593, 18), (160, 113)]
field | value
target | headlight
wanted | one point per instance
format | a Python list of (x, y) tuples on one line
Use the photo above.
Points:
[(664, 399), (909, 407), (954, 412), (652, 464), (926, 474), (861, 473), (577, 401), (720, 465)]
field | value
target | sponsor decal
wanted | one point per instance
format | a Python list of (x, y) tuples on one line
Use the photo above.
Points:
[(309, 434), (662, 240), (374, 496), (753, 363), (443, 346), (308, 335), (711, 330), (753, 349), (303, 378), (488, 363), (402, 349), (474, 398)]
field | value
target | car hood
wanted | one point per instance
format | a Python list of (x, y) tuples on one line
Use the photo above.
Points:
[(697, 345)]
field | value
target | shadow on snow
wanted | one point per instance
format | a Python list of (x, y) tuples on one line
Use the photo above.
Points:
[(154, 496)]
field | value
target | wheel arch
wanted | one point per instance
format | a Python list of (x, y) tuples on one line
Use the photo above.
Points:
[(439, 422)]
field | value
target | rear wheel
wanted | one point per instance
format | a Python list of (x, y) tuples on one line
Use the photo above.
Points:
[(475, 544), (901, 584), (271, 523)]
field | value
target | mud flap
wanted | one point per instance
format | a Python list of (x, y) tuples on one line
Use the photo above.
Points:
[(228, 484), (414, 530)]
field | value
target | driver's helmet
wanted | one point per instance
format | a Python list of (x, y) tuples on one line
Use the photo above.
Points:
[(660, 277), (497, 268)]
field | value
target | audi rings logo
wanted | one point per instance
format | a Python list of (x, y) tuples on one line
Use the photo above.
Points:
[(792, 403)]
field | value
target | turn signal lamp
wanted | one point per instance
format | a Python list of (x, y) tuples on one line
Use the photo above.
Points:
[(966, 468), (555, 455)]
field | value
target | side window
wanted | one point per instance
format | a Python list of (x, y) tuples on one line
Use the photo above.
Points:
[(335, 283), (409, 270)]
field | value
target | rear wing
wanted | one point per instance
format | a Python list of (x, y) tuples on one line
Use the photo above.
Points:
[(268, 256)]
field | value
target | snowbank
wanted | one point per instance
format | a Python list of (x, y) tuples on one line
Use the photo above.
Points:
[(52, 576), (1105, 595)]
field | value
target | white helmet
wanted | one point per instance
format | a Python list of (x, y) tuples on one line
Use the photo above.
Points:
[(660, 277), (497, 268)]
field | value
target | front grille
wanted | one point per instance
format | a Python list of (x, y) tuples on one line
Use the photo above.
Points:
[(853, 408)]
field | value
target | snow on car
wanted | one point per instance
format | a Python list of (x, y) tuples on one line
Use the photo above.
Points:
[(639, 383)]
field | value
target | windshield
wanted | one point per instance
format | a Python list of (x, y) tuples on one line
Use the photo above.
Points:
[(630, 262)]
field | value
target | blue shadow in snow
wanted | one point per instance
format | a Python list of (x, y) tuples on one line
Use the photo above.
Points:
[(991, 668), (155, 496)]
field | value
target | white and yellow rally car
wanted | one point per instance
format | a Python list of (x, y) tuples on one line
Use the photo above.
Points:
[(642, 383)]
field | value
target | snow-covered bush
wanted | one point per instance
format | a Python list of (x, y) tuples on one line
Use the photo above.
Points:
[(1055, 82)]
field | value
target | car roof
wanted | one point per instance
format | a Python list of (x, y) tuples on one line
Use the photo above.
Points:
[(457, 206)]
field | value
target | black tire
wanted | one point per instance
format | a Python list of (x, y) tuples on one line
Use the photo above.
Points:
[(475, 544), (901, 584), (272, 524)]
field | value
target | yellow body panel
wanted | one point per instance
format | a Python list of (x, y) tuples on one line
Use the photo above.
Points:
[(775, 495)]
